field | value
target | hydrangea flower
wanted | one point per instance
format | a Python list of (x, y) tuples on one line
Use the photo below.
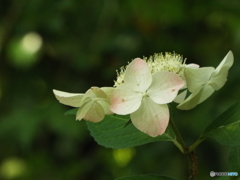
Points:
[(145, 96), (202, 82), (93, 105)]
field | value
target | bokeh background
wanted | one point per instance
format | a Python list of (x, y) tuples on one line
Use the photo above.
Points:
[(71, 45)]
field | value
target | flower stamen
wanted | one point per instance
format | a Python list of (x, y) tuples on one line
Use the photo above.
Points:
[(170, 62)]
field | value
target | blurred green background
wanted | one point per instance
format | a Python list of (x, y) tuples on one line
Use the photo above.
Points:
[(71, 45)]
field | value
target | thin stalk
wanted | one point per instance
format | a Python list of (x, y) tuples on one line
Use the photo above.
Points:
[(189, 151), (195, 144), (181, 144)]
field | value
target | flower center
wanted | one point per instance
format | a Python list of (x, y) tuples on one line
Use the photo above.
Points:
[(144, 94), (168, 62), (158, 62)]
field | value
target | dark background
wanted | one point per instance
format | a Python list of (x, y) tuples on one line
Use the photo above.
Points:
[(83, 43)]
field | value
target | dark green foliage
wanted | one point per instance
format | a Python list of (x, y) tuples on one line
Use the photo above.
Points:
[(146, 177), (226, 128), (112, 132)]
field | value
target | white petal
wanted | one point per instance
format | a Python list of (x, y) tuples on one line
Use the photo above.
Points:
[(151, 118), (138, 75), (180, 97), (125, 101), (85, 106), (105, 103), (197, 77), (94, 92), (219, 76), (226, 62), (108, 90), (165, 86), (95, 113), (102, 96), (192, 65), (196, 98), (70, 99)]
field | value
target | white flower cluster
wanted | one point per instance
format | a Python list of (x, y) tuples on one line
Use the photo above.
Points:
[(144, 88)]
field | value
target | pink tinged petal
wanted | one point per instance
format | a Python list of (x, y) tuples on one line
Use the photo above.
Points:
[(95, 113), (70, 99), (138, 75), (196, 98), (125, 101), (151, 118), (196, 78), (165, 86), (219, 76)]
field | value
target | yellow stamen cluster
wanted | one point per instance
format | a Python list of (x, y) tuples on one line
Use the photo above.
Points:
[(168, 62), (158, 62)]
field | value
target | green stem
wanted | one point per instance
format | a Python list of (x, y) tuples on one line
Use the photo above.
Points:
[(189, 151), (180, 142), (179, 146), (195, 144)]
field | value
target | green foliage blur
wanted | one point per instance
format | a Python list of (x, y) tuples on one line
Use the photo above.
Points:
[(71, 45)]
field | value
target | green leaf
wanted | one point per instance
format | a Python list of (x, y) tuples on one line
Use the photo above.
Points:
[(226, 128), (112, 132), (146, 177), (71, 112), (234, 160)]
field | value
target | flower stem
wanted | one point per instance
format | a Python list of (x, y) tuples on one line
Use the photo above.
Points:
[(180, 142), (195, 144), (189, 151), (179, 146)]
